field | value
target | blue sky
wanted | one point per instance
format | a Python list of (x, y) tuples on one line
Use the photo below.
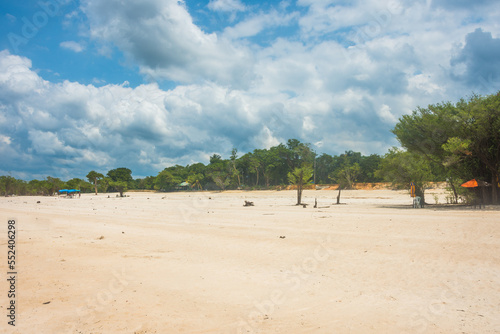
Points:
[(95, 85)]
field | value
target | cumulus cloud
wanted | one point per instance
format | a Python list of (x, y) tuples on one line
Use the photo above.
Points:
[(478, 61), (81, 126), (162, 38)]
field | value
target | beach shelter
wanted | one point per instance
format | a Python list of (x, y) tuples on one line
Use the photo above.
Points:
[(474, 184), (478, 187), (183, 186)]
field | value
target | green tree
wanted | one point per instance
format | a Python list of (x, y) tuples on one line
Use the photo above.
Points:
[(479, 136), (35, 187), (345, 177), (103, 184), (7, 185), (255, 165), (464, 138), (52, 185), (147, 183), (120, 186), (215, 158), (166, 180), (120, 179), (300, 177), (324, 166), (402, 167), (368, 166), (299, 153), (75, 183), (93, 178), (120, 174), (236, 172)]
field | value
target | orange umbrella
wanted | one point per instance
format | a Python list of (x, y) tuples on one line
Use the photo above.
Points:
[(474, 183)]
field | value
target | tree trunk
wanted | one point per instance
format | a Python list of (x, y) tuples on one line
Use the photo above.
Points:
[(95, 185), (237, 174), (494, 188), (454, 192), (299, 194), (338, 196), (420, 193)]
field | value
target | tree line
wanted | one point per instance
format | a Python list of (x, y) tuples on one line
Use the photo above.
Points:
[(451, 142), (260, 169)]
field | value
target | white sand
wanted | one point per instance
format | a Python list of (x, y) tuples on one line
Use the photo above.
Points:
[(203, 263)]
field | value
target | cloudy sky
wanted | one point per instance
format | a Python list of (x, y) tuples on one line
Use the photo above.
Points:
[(145, 84)]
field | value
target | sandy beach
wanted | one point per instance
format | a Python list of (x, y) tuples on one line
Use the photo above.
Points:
[(200, 262)]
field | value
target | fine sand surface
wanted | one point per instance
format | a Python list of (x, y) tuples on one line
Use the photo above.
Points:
[(200, 262)]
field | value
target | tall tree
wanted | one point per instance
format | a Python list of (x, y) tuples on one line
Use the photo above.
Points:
[(120, 174), (120, 179), (94, 177), (236, 172), (299, 153)]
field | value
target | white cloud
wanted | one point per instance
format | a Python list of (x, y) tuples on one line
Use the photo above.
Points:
[(162, 38), (266, 139), (73, 46), (5, 140), (385, 114), (226, 5), (308, 124), (16, 78), (256, 24)]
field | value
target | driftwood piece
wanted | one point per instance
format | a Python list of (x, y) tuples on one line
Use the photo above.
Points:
[(248, 203)]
